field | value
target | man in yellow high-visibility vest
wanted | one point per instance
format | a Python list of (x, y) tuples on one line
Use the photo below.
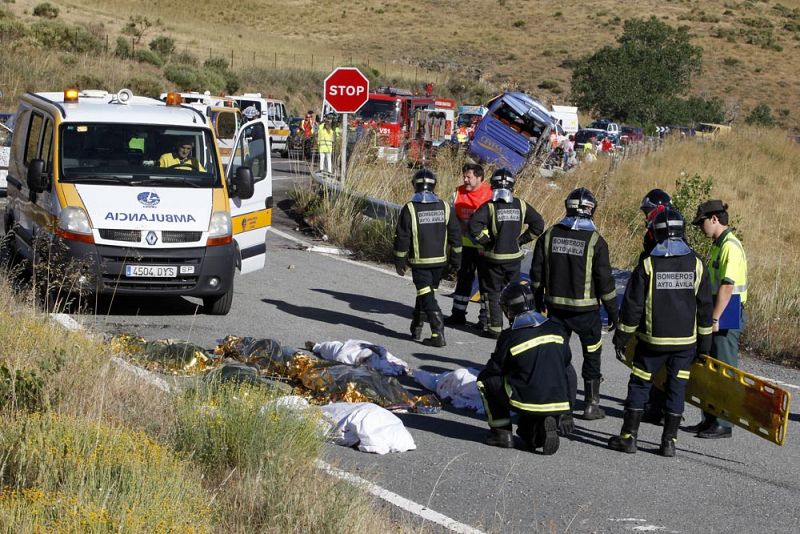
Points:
[(727, 269)]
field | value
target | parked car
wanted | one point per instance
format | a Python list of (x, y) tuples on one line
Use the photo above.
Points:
[(708, 130), (631, 134), (608, 126), (5, 153)]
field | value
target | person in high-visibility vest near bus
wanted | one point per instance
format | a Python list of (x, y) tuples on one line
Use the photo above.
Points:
[(727, 269), (325, 135)]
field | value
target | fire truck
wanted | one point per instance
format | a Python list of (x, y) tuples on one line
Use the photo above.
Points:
[(403, 125)]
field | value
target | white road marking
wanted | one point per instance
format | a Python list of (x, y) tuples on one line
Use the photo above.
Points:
[(778, 382), (396, 500)]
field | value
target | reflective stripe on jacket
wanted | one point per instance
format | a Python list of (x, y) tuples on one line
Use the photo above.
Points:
[(728, 264)]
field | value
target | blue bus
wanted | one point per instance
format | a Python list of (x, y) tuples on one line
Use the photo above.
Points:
[(515, 130)]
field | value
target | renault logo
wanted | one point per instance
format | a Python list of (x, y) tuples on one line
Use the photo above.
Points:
[(151, 238)]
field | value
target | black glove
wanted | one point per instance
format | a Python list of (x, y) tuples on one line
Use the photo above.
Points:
[(566, 424), (450, 272), (620, 340), (400, 267), (613, 318), (704, 344), (620, 354)]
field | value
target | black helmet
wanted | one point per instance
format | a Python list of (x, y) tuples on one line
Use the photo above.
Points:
[(502, 179), (653, 199), (424, 180), (668, 222), (580, 203), (516, 298)]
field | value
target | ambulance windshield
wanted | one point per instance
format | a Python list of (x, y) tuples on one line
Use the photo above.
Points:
[(138, 154)]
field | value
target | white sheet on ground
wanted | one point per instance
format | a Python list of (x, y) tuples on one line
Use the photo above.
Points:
[(460, 386), (373, 428), (359, 352)]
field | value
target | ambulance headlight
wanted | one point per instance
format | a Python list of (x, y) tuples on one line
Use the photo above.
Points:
[(74, 220), (220, 224)]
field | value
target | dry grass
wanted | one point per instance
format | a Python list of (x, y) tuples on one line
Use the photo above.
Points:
[(397, 35), (756, 171)]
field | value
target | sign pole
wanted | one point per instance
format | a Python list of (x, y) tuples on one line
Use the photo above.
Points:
[(344, 146)]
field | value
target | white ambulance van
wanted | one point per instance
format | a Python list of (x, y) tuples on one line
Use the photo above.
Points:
[(253, 105), (135, 191)]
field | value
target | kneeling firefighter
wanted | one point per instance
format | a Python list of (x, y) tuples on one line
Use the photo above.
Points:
[(427, 237), (530, 372), (571, 273), (668, 306)]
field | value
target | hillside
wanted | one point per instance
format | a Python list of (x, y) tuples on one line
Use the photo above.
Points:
[(750, 48)]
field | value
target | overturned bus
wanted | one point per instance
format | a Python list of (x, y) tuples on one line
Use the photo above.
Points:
[(516, 130)]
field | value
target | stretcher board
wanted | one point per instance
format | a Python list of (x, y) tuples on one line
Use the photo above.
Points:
[(745, 400)]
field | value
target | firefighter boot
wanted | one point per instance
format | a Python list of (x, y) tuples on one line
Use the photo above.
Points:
[(500, 437), (626, 441), (546, 435), (670, 435), (591, 393), (437, 330), (416, 324), (458, 317)]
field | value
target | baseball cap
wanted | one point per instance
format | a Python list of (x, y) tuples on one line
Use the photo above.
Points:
[(707, 209)]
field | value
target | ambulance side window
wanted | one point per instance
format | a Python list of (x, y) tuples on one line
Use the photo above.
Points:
[(34, 137), (18, 144), (47, 146)]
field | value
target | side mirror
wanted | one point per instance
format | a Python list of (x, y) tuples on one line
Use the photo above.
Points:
[(37, 181), (243, 183)]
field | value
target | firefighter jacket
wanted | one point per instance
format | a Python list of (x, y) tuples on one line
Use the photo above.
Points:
[(728, 265), (424, 232), (497, 225), (573, 268), (465, 203), (667, 304), (533, 362)]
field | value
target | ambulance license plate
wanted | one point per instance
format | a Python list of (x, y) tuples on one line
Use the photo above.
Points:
[(151, 271)]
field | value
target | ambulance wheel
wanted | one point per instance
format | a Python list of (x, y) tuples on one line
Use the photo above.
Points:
[(220, 305)]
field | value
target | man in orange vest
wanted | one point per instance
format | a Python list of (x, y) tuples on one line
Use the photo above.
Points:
[(468, 197)]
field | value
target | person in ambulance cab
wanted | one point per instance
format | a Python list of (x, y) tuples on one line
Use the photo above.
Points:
[(181, 157)]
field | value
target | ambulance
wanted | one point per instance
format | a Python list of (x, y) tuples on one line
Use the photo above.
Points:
[(134, 191), (253, 105)]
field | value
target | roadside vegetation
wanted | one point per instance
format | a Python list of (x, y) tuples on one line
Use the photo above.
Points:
[(87, 447), (755, 170)]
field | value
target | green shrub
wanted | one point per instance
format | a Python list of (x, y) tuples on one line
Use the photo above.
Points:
[(56, 35), (148, 56), (145, 86), (216, 63), (87, 81), (20, 389), (730, 61), (518, 23), (549, 85), (12, 30), (690, 192), (163, 46), (45, 10), (63, 474), (232, 82), (761, 115), (187, 58), (123, 49), (185, 77)]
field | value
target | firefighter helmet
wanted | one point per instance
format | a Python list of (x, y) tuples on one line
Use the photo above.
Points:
[(424, 180), (503, 179), (516, 298), (580, 203), (668, 223), (653, 199)]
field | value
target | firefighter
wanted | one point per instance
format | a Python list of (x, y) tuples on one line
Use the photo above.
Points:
[(425, 230), (652, 202), (727, 269), (497, 226), (530, 372), (570, 271), (468, 198), (668, 305)]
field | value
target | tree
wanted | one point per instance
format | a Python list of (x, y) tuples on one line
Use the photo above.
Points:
[(652, 64), (761, 116)]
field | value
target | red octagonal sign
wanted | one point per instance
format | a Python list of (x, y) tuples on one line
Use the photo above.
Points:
[(346, 89)]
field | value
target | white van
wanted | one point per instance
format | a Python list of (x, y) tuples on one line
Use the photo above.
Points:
[(253, 105), (567, 117), (134, 190)]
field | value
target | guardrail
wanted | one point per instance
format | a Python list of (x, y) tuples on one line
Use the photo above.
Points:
[(374, 208)]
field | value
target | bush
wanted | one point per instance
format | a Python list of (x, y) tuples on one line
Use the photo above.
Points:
[(123, 49), (87, 81), (163, 46), (59, 36), (185, 77), (45, 10), (550, 85), (216, 63), (187, 58), (148, 56), (145, 86), (12, 30), (690, 192), (761, 115)]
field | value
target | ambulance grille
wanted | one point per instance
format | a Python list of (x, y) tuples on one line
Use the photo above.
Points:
[(133, 236), (170, 236)]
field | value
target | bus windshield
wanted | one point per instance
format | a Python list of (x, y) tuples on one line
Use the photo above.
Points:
[(138, 154)]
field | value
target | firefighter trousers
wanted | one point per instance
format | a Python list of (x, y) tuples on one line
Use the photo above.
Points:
[(494, 278), (495, 399), (470, 262), (426, 280), (589, 329), (645, 367)]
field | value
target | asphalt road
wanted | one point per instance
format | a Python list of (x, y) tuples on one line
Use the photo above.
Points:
[(743, 484)]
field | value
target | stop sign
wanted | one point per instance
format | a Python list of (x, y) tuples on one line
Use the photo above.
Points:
[(346, 89)]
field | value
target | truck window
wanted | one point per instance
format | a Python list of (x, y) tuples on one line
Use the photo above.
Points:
[(34, 137), (251, 152), (47, 146), (226, 125), (379, 110), (138, 154)]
